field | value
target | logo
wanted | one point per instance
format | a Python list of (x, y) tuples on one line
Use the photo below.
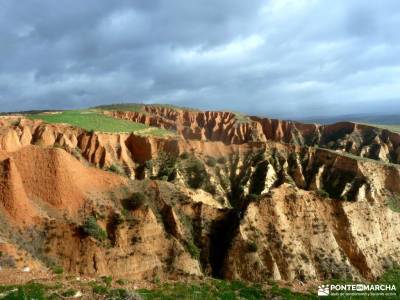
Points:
[(357, 290), (323, 290)]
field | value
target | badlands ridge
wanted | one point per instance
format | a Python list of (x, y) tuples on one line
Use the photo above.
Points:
[(231, 197)]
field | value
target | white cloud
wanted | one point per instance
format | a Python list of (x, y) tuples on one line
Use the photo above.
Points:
[(281, 57), (234, 50)]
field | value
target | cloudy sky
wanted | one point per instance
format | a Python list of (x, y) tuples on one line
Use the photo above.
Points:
[(283, 58)]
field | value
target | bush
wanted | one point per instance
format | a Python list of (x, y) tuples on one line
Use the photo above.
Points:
[(196, 173), (211, 162), (116, 169), (121, 281), (221, 200), (252, 197), (100, 289), (58, 270), (322, 193), (58, 146), (252, 247), (68, 293), (15, 122), (184, 155), (122, 294), (394, 203), (137, 200), (91, 228), (208, 187), (193, 249), (107, 280), (26, 291), (166, 166), (117, 218), (148, 164), (221, 160)]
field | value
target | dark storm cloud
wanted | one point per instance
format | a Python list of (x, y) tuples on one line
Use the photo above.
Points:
[(280, 57)]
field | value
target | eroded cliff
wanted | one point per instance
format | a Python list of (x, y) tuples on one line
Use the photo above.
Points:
[(246, 200), (229, 128)]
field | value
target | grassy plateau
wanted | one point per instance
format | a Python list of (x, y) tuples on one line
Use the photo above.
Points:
[(394, 128), (390, 127), (94, 121)]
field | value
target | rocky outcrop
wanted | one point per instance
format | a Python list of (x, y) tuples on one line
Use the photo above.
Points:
[(192, 125), (100, 149), (49, 194), (226, 127), (13, 198), (48, 177), (142, 249), (293, 234), (126, 152)]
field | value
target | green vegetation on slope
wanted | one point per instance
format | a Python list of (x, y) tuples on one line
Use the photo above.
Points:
[(91, 228), (241, 118), (393, 203), (212, 289), (222, 289), (136, 107), (28, 291), (172, 106), (93, 121), (205, 290), (394, 128), (391, 127)]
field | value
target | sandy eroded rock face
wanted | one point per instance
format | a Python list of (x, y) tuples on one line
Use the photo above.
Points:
[(226, 127), (294, 234), (47, 195), (100, 149), (127, 151), (211, 126)]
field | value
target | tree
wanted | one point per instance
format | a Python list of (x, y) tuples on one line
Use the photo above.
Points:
[(196, 173), (166, 166)]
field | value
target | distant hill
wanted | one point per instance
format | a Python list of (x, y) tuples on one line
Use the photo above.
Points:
[(358, 118), (28, 112)]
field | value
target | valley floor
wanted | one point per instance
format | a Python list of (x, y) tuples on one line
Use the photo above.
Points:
[(69, 287)]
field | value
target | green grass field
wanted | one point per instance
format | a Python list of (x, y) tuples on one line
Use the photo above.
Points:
[(392, 127), (207, 290), (176, 107), (212, 289), (94, 121), (136, 107), (107, 288)]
